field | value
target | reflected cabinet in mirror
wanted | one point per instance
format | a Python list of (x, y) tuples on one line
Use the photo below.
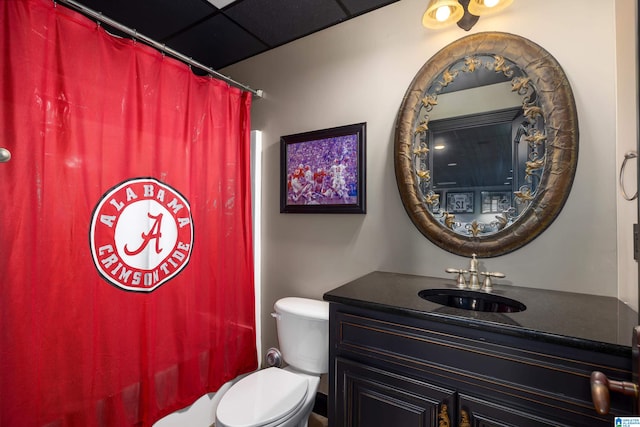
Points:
[(486, 144)]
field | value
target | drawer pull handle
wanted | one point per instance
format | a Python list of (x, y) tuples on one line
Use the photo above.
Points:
[(600, 387)]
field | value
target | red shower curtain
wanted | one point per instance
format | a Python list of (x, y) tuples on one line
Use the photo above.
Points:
[(126, 279)]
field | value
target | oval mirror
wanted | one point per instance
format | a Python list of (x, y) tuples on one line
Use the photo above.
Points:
[(486, 144)]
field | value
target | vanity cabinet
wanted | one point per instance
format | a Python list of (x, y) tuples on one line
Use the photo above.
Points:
[(393, 366)]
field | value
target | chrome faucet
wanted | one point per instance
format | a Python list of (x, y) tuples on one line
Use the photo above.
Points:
[(474, 282)]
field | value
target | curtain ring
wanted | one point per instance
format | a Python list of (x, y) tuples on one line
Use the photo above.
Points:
[(627, 156)]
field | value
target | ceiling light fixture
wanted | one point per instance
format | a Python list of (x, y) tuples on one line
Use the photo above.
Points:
[(442, 13)]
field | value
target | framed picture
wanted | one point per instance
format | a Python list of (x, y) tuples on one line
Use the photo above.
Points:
[(495, 201), (323, 171), (460, 202)]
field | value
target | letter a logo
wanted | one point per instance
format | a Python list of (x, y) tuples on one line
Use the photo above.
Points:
[(148, 237), (153, 234)]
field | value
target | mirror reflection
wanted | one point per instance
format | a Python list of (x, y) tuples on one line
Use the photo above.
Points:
[(480, 165)]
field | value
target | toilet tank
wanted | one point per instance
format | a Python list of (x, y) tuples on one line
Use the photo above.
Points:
[(303, 333)]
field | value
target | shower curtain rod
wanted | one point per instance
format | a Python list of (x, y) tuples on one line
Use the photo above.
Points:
[(159, 46)]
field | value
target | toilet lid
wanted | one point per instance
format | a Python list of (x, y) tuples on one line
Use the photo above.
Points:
[(262, 398)]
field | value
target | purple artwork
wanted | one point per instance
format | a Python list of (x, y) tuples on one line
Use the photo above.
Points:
[(323, 172)]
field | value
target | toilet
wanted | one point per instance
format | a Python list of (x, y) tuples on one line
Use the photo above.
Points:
[(283, 397)]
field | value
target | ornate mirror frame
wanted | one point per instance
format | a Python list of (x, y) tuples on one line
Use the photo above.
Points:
[(555, 105)]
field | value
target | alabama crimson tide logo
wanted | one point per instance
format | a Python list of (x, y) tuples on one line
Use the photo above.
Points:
[(141, 234)]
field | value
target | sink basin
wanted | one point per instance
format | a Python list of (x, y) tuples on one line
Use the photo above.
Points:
[(472, 300)]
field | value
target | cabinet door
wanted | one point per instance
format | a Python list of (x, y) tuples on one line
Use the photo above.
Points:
[(371, 397), (481, 413)]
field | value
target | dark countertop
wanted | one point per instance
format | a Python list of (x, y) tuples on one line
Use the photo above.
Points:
[(586, 321)]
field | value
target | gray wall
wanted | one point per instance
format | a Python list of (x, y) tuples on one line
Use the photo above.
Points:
[(358, 71)]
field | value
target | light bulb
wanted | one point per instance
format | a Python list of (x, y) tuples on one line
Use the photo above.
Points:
[(491, 3), (443, 13)]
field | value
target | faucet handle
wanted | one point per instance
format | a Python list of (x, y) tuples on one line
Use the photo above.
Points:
[(487, 285), (462, 284)]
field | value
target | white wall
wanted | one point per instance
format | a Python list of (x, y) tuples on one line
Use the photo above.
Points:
[(358, 71)]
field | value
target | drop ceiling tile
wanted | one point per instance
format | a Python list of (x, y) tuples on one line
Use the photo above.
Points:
[(153, 18), (218, 33), (280, 21), (216, 43), (358, 7)]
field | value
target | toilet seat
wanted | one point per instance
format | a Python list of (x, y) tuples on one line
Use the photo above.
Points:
[(262, 398)]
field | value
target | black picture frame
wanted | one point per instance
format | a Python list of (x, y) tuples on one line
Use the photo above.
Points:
[(323, 171), (460, 202)]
